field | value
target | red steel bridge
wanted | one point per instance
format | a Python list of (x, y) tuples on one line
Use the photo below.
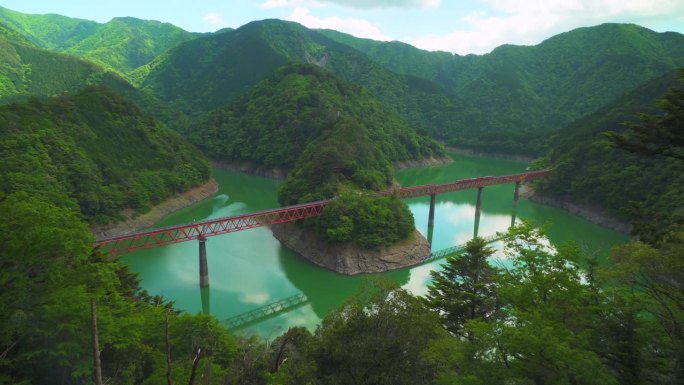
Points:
[(203, 229)]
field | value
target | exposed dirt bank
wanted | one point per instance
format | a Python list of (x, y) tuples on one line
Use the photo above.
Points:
[(432, 161), (276, 173), (248, 168), (593, 214), (138, 222), (468, 151), (348, 259)]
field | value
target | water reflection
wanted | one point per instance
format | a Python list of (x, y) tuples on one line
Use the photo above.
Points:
[(324, 288)]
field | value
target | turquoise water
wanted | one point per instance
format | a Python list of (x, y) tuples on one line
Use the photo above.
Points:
[(249, 269)]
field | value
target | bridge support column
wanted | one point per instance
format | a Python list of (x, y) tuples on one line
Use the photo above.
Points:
[(478, 207), (203, 267), (516, 194), (431, 217), (204, 293)]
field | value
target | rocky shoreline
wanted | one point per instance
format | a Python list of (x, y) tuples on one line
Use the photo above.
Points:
[(347, 259), (499, 155), (135, 222), (280, 174), (249, 168), (431, 161), (593, 214)]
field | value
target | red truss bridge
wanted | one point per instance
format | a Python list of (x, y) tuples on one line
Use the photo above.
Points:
[(203, 229)]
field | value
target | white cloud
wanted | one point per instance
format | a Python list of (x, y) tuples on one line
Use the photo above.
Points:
[(360, 4), (357, 27), (214, 19), (366, 4), (289, 3), (530, 21)]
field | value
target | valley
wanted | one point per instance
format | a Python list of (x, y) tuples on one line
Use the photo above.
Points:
[(130, 123)]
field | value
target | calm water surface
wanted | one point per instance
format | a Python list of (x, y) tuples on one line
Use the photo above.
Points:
[(249, 269)]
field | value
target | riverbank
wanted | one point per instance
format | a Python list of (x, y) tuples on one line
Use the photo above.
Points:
[(252, 169), (135, 222), (498, 155), (280, 174), (345, 258), (431, 161), (593, 214)]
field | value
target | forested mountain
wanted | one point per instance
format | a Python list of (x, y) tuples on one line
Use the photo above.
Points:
[(207, 73), (537, 89), (93, 151), (588, 170), (273, 123), (81, 146), (507, 100), (122, 44), (334, 137), (28, 71)]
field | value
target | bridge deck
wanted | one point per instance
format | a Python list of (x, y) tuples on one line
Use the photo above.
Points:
[(199, 230)]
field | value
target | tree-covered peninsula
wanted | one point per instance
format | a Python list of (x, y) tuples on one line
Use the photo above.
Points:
[(334, 139)]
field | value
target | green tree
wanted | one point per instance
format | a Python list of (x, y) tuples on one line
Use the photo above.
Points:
[(545, 337), (380, 337), (657, 134), (658, 274), (467, 288)]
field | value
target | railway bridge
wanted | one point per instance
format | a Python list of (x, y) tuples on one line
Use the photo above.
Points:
[(202, 229)]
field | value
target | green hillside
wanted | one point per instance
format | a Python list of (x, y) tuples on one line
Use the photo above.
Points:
[(207, 73), (121, 44), (27, 71), (94, 151), (272, 124), (529, 91), (588, 170), (333, 137)]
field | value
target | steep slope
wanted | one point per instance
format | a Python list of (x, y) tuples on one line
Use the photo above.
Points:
[(589, 171), (529, 91), (207, 73), (96, 151), (337, 141), (121, 44), (273, 123), (27, 71)]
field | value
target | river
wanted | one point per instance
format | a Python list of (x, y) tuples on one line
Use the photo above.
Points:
[(249, 269)]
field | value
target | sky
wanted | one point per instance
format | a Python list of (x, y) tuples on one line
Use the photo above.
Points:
[(458, 26)]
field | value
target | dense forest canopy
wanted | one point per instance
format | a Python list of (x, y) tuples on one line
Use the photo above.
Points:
[(122, 44), (588, 169), (96, 151)]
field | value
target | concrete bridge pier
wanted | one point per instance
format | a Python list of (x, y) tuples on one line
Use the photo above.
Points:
[(429, 235), (478, 205), (204, 293), (514, 215), (516, 194), (431, 216), (203, 267)]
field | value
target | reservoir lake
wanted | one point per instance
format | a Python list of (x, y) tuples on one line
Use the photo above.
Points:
[(250, 269)]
